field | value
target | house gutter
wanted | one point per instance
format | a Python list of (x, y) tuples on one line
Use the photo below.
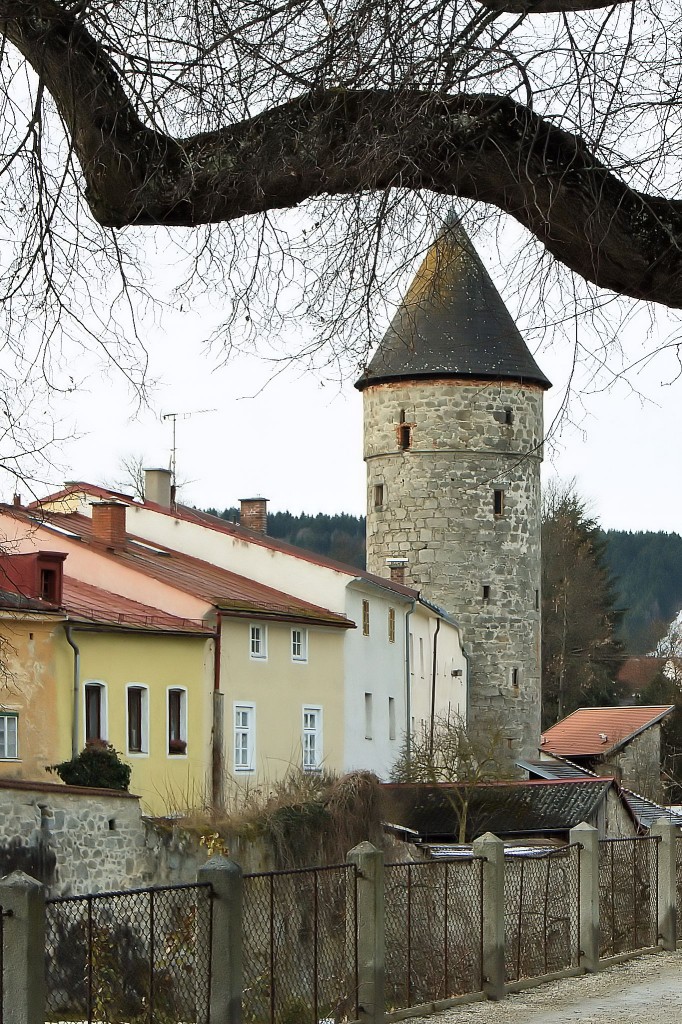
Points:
[(468, 687), (217, 729), (433, 687), (408, 687), (75, 731)]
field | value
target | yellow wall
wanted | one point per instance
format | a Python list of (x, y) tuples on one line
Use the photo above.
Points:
[(38, 684), (166, 783), (33, 686), (280, 687)]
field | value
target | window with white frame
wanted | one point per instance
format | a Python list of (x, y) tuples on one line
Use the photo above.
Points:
[(258, 640), (244, 737), (137, 718), (95, 697), (299, 644), (9, 734), (177, 721), (312, 738)]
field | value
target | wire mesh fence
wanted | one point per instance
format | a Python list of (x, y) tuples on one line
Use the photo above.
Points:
[(434, 930), (678, 879), (628, 894), (141, 957), (3, 914), (300, 946), (541, 912)]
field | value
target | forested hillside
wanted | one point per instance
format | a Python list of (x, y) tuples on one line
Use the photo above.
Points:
[(341, 536), (646, 567), (647, 570)]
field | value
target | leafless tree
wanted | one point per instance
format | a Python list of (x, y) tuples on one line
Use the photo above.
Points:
[(362, 120), (444, 751)]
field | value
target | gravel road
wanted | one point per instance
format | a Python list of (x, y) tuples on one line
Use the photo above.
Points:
[(646, 990)]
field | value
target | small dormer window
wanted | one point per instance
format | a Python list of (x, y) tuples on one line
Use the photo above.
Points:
[(49, 585)]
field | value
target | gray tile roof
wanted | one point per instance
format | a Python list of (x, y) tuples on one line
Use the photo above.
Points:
[(452, 323), (504, 808)]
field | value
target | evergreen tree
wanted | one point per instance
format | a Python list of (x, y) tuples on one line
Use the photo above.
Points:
[(580, 651)]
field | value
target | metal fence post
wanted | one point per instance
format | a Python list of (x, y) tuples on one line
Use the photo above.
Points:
[(226, 939), (491, 849), (588, 838), (667, 883), (371, 937), (23, 903)]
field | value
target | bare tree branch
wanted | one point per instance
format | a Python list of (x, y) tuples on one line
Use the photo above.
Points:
[(345, 141)]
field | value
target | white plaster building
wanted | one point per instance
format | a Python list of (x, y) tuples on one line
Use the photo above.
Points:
[(390, 674)]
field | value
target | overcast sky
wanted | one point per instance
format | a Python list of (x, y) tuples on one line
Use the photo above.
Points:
[(298, 440)]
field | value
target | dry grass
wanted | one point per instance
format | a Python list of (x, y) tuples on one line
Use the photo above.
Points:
[(303, 818)]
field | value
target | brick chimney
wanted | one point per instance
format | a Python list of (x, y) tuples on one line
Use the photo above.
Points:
[(397, 568), (157, 486), (109, 523), (253, 513)]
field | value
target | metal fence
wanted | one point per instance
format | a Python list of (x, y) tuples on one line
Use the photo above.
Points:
[(541, 912), (300, 954), (434, 930), (628, 895), (678, 879), (3, 915), (143, 955)]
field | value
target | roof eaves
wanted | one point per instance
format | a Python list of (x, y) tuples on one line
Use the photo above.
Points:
[(647, 725)]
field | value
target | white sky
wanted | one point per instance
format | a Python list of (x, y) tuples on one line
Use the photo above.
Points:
[(298, 441)]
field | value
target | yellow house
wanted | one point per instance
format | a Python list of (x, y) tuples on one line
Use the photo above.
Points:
[(87, 667), (232, 682)]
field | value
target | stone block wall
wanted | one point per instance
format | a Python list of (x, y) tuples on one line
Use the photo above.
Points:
[(467, 439)]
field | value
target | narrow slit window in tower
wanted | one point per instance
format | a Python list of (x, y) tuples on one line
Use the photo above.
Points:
[(508, 416), (537, 600), (486, 591), (405, 436), (498, 501), (378, 495), (515, 678)]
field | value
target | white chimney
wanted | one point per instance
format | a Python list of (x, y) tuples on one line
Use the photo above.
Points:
[(157, 487)]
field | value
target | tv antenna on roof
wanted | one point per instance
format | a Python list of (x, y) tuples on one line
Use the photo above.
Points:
[(174, 417)]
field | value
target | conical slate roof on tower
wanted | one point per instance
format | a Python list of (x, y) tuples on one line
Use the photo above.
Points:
[(452, 323)]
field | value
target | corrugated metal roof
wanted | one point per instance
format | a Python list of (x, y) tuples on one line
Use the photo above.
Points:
[(555, 770), (219, 587), (600, 731), (504, 808), (646, 813), (452, 323)]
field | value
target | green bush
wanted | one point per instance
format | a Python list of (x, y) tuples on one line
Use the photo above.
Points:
[(98, 766)]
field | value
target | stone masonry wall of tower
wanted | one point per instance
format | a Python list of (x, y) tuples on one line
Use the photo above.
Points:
[(437, 451)]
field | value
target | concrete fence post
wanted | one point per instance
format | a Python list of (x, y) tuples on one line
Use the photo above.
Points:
[(588, 837), (667, 883), (22, 899), (371, 937), (492, 849), (226, 940)]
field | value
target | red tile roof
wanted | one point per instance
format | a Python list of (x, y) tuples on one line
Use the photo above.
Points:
[(193, 515), (600, 731), (83, 601), (233, 594), (640, 671)]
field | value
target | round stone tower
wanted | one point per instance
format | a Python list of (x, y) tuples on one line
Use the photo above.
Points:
[(453, 446)]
